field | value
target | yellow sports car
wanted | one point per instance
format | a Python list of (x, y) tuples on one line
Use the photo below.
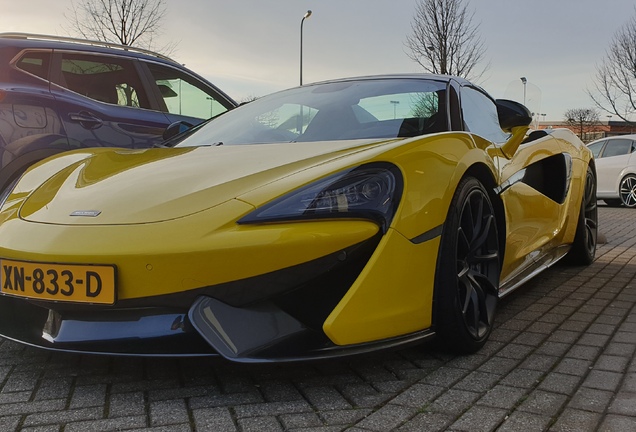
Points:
[(328, 219)]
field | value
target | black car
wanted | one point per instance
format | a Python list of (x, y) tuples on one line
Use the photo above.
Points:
[(58, 94)]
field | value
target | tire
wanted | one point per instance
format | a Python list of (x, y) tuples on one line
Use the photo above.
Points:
[(627, 191), (468, 268), (584, 246), (613, 202)]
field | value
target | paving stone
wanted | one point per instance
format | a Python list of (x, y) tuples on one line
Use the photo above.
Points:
[(524, 378), (326, 398), (453, 402), (584, 352), (603, 380), (389, 417), (271, 408), (260, 424), (615, 423), (114, 424), (560, 383), (127, 404), (629, 384), (477, 381), (418, 395), (429, 422), (9, 423), (297, 421), (63, 416), (591, 399), (502, 396), (280, 391), (623, 404), (32, 407), (520, 421), (444, 376), (576, 421), (88, 396), (214, 419), (168, 412), (344, 417), (543, 403), (480, 419)]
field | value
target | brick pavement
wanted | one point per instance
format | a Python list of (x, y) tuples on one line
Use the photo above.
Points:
[(561, 358)]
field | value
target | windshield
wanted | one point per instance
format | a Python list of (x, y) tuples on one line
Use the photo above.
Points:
[(382, 108)]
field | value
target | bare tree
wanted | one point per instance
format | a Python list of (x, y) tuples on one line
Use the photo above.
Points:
[(444, 40), (126, 22), (582, 119), (615, 86)]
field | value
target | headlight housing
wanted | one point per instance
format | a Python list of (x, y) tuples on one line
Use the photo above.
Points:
[(371, 191)]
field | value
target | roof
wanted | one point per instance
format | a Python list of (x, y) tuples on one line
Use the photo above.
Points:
[(50, 41)]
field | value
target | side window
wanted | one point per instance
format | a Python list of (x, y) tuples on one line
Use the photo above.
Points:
[(617, 147), (184, 95), (596, 148), (480, 115), (106, 79), (36, 63)]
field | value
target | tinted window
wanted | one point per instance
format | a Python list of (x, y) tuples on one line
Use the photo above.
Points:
[(617, 147), (36, 63), (596, 148), (184, 95), (105, 79), (480, 115)]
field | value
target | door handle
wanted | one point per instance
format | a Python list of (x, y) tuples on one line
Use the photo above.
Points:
[(86, 119)]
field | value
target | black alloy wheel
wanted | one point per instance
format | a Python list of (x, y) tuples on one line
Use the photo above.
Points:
[(584, 246), (627, 190), (467, 278)]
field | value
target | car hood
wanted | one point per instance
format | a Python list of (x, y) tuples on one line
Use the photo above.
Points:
[(114, 186)]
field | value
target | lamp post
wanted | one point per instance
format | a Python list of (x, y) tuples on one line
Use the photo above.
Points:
[(302, 21), (211, 99), (395, 104), (524, 81)]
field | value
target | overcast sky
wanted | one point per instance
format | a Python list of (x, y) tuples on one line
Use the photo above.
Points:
[(251, 47)]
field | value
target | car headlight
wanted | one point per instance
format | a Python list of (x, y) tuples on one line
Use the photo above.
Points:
[(370, 191)]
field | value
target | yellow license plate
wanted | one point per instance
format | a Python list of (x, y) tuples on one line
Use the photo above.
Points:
[(59, 282)]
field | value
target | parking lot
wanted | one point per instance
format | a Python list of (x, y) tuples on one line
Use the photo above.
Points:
[(561, 358)]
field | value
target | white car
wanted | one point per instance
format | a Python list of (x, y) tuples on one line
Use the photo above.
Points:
[(616, 169)]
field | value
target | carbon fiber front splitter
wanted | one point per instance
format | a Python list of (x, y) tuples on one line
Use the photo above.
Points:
[(258, 334), (140, 331)]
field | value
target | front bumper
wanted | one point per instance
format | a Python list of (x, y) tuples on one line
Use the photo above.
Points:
[(274, 317)]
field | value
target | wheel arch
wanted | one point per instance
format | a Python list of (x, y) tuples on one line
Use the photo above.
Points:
[(482, 173)]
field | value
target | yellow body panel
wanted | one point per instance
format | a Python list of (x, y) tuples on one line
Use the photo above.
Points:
[(387, 300), (181, 258)]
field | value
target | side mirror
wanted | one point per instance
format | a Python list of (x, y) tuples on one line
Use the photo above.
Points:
[(175, 129), (512, 114)]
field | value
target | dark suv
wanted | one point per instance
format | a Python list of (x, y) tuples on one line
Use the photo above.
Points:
[(58, 94)]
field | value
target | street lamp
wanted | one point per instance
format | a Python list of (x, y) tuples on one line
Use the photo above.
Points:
[(395, 104), (302, 21), (524, 81), (211, 99)]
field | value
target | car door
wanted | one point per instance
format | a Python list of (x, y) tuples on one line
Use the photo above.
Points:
[(610, 165), (103, 101), (532, 186)]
